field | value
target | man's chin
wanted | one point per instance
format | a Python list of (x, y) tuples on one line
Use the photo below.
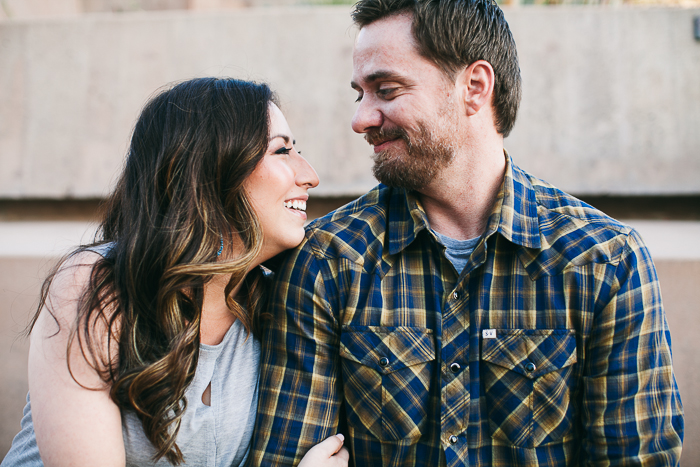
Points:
[(399, 177)]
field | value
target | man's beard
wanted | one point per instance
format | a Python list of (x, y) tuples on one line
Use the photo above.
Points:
[(425, 155)]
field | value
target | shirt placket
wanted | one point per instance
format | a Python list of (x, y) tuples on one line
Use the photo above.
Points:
[(455, 376), (456, 347)]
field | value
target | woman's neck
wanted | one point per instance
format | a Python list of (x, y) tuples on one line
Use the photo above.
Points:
[(216, 316)]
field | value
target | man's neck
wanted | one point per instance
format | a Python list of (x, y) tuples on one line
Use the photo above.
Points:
[(458, 202)]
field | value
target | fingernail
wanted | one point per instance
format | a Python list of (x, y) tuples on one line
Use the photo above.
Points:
[(340, 435)]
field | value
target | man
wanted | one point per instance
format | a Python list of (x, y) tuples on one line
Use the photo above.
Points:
[(463, 312)]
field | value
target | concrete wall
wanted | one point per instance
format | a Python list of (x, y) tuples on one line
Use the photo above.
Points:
[(611, 98), (39, 8), (21, 281), (23, 9)]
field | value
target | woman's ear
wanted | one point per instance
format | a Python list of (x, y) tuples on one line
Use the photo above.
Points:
[(476, 81)]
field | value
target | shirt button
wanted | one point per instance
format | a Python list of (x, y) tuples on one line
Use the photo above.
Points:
[(383, 361), (455, 367), (455, 295), (453, 439), (530, 367)]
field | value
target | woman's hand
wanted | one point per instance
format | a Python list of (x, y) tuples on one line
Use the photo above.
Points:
[(328, 453)]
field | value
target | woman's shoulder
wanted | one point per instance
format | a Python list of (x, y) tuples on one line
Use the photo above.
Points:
[(68, 306), (76, 269), (72, 276)]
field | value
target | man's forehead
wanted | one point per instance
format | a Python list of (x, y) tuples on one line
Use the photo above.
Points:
[(383, 48), (387, 32)]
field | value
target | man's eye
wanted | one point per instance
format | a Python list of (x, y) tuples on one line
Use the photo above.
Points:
[(385, 92), (359, 98)]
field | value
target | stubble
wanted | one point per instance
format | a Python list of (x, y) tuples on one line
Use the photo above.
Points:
[(428, 150)]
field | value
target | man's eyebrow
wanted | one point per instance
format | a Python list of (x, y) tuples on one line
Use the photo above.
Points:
[(378, 75)]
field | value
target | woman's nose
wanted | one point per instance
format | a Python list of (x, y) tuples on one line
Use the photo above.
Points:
[(305, 174)]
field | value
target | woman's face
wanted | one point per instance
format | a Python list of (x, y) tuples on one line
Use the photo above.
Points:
[(278, 189)]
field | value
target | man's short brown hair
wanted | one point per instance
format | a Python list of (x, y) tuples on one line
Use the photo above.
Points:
[(456, 33)]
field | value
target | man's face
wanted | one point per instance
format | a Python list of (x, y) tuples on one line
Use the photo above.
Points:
[(407, 106)]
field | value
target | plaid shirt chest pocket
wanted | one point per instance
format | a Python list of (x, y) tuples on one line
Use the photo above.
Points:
[(387, 373), (527, 377)]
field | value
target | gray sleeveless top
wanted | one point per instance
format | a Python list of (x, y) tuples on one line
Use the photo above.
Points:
[(216, 435), (209, 436)]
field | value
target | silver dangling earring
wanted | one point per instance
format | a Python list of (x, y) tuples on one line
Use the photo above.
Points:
[(221, 247)]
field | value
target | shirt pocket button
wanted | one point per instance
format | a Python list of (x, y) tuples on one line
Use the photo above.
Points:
[(529, 375), (387, 375)]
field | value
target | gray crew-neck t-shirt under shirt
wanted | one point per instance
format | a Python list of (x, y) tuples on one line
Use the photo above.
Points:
[(458, 251)]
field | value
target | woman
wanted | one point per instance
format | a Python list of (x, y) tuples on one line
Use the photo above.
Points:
[(141, 349)]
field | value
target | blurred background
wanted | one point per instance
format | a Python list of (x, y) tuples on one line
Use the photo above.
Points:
[(610, 113)]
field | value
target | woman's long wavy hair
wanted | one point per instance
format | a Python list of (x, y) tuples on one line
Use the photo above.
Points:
[(180, 193)]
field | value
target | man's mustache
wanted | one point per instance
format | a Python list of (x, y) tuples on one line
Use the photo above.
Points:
[(376, 137)]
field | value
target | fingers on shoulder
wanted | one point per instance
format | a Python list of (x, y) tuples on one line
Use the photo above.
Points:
[(342, 457), (332, 444)]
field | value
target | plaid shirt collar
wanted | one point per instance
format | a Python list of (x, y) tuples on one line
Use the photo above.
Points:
[(514, 213)]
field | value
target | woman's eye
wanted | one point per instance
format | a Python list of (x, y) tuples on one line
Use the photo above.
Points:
[(283, 150)]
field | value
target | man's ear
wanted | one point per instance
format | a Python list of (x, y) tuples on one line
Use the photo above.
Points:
[(476, 81)]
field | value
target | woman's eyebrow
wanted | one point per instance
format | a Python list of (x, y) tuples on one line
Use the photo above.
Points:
[(284, 137)]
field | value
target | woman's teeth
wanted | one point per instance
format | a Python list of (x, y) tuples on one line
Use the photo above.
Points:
[(296, 204)]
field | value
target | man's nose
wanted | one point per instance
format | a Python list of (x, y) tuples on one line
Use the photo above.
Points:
[(367, 116)]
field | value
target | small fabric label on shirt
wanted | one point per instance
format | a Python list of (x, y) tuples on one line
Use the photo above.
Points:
[(489, 333)]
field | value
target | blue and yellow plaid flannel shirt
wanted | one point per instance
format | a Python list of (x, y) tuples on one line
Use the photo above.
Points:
[(550, 348)]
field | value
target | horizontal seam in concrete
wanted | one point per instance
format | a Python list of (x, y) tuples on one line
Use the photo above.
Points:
[(674, 240)]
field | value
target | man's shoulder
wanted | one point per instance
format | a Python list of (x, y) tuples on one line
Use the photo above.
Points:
[(351, 230), (554, 202), (573, 230)]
